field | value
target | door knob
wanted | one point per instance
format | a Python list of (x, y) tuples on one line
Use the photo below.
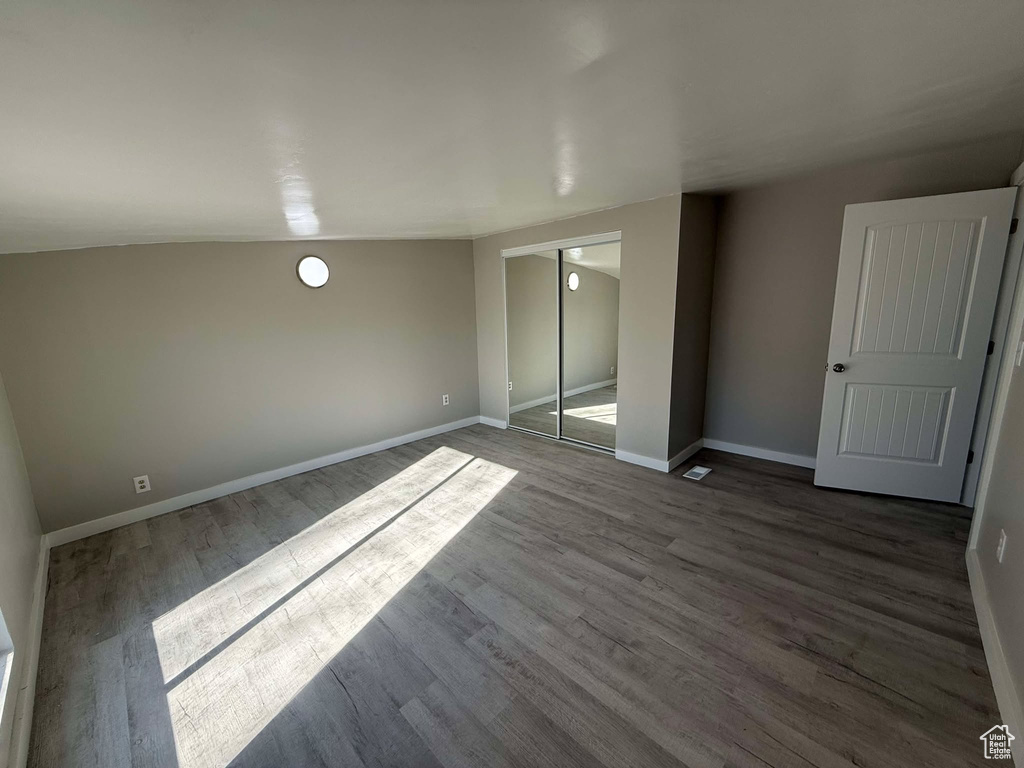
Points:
[(838, 367)]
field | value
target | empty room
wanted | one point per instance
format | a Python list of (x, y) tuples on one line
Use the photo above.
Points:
[(511, 384)]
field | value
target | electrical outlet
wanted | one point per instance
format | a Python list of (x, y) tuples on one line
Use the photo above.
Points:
[(1001, 546), (510, 386), (445, 400), (1020, 353), (142, 484), (612, 370)]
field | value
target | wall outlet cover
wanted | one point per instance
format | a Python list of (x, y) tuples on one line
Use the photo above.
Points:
[(141, 483), (697, 473), (1001, 546)]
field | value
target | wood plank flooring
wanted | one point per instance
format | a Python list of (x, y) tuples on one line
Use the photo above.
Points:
[(588, 416), (489, 598)]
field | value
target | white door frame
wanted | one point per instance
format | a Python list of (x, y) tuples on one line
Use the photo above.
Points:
[(568, 242), (1000, 370), (1011, 707), (986, 414)]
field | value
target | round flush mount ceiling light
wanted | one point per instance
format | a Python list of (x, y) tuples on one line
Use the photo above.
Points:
[(313, 271), (573, 281)]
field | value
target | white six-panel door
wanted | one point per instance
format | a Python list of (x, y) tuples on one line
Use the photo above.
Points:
[(915, 297)]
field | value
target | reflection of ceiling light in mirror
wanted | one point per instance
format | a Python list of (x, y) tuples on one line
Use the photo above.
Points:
[(575, 253), (574, 281)]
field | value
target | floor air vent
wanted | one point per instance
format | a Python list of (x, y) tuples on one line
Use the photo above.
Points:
[(697, 473)]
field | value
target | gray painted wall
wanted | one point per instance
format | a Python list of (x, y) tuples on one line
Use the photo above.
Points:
[(202, 363), (650, 255), (19, 559), (698, 229), (775, 272)]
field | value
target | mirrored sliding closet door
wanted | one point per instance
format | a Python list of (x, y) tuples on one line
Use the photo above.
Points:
[(531, 312), (590, 343), (562, 340)]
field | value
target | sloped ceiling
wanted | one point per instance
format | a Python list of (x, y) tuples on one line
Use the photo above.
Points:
[(127, 121)]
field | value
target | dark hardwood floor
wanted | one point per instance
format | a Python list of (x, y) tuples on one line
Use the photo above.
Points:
[(489, 598)]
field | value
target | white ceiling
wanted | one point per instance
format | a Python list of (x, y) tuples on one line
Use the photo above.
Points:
[(155, 120)]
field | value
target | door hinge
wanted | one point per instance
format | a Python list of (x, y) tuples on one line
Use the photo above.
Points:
[(970, 457), (1013, 225), (991, 347)]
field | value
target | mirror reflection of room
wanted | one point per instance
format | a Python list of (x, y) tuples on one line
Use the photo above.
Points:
[(590, 343), (531, 284)]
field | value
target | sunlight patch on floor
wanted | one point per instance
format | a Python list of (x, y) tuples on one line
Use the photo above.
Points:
[(221, 706), (193, 629), (605, 414)]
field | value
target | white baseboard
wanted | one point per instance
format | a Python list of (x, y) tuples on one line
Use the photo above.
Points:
[(590, 387), (493, 422), (81, 531), (761, 453), (684, 454), (1007, 698), (21, 732), (642, 461), (568, 393), (660, 464), (532, 404)]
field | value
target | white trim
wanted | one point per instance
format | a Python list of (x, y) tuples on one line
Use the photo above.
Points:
[(75, 532), (796, 459), (590, 387), (1017, 177), (504, 341), (684, 454), (493, 422), (642, 461), (1002, 390), (24, 703), (532, 404), (559, 349), (569, 393), (1002, 329), (567, 242), (999, 669)]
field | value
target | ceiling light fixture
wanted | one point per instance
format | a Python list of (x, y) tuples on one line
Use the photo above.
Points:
[(313, 271)]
